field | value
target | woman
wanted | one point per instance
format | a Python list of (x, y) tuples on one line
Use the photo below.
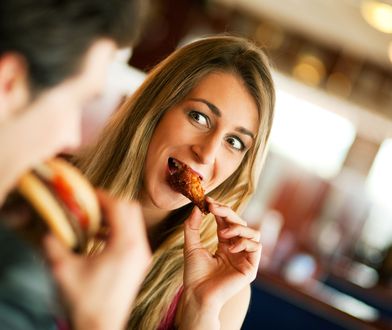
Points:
[(45, 82), (208, 105)]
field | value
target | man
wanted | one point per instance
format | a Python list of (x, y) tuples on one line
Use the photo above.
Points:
[(53, 60)]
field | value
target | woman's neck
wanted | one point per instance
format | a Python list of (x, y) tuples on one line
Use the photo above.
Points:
[(161, 223), (153, 216), (154, 220)]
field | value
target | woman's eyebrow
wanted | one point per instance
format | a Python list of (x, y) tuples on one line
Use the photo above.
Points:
[(245, 131), (211, 106), (218, 113)]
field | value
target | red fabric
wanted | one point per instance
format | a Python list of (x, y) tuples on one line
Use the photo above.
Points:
[(168, 321), (62, 324)]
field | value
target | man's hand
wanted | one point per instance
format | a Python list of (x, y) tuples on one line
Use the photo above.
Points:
[(100, 289)]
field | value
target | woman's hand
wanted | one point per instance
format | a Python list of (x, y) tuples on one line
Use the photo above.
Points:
[(210, 280), (100, 289)]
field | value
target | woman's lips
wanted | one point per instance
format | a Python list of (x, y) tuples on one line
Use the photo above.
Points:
[(186, 181), (175, 165)]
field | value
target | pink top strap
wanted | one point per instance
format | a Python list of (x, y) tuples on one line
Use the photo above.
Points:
[(168, 321)]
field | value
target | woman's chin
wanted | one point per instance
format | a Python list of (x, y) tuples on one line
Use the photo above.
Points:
[(171, 204), (164, 198)]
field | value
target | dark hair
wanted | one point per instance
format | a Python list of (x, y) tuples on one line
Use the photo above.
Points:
[(54, 35)]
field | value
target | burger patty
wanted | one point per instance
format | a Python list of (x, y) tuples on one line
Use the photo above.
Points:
[(73, 220)]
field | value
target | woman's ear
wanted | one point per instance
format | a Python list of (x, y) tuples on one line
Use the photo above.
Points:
[(14, 87)]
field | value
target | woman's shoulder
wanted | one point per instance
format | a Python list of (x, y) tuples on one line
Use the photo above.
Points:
[(234, 311), (168, 323)]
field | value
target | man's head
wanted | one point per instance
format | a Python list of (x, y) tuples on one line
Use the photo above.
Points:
[(53, 36), (53, 59)]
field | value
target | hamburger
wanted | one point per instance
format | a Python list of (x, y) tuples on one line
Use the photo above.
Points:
[(54, 196)]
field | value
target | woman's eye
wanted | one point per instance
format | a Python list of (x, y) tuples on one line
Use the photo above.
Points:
[(236, 143), (199, 118)]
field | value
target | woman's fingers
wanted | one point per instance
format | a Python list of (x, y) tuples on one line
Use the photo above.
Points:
[(229, 224), (210, 200), (244, 255), (241, 231), (192, 230), (221, 223), (233, 230), (251, 248), (227, 213), (224, 211), (243, 244)]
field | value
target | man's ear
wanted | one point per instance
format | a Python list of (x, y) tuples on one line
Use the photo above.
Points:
[(14, 87)]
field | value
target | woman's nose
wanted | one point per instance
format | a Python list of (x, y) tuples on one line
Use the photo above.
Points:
[(206, 150)]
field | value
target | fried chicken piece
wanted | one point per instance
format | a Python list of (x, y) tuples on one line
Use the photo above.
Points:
[(184, 180)]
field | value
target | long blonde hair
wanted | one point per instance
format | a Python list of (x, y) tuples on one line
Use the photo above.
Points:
[(116, 161)]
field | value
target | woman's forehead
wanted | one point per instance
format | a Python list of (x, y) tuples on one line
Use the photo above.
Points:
[(227, 94)]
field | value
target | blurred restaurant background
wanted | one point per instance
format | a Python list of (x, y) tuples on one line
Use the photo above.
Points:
[(324, 200)]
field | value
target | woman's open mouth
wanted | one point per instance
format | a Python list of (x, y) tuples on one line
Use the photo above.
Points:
[(186, 181), (175, 165)]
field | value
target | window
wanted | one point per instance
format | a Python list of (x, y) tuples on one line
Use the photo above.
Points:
[(378, 228), (310, 135)]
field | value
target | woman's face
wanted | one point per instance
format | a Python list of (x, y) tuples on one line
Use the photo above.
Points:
[(210, 130)]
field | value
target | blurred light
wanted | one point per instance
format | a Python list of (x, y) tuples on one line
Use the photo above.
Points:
[(377, 232), (300, 268), (340, 84), (309, 69), (378, 227), (380, 175), (311, 136), (353, 306), (390, 51), (378, 15), (362, 275), (271, 36), (344, 302), (307, 73), (329, 238)]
